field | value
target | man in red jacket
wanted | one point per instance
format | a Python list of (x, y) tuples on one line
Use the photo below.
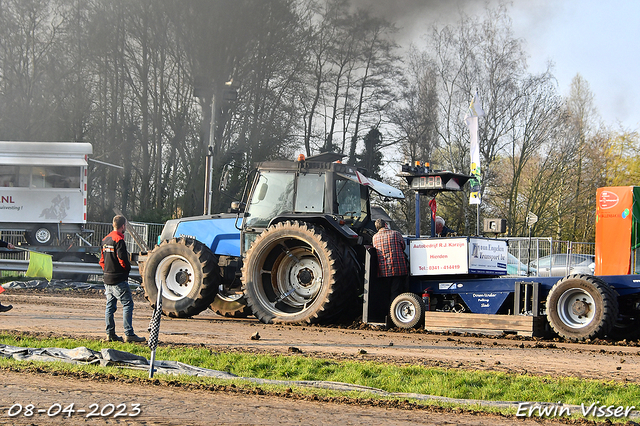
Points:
[(114, 260)]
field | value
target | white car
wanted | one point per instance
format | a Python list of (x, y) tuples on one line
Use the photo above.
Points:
[(562, 264)]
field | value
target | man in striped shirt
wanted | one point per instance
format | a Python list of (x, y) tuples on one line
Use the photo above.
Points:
[(392, 262)]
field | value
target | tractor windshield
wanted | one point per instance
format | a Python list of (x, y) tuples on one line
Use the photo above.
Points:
[(352, 200), (272, 195)]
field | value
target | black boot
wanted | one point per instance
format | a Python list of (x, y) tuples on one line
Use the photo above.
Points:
[(5, 308)]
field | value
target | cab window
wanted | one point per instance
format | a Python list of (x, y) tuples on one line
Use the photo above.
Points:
[(352, 200), (272, 195), (310, 193)]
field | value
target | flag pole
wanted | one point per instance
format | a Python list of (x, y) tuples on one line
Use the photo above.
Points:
[(154, 330)]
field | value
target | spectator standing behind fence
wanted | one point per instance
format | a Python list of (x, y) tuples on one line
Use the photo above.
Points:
[(5, 308), (392, 261), (114, 260)]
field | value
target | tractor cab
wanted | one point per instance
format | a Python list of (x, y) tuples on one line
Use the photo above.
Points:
[(318, 189)]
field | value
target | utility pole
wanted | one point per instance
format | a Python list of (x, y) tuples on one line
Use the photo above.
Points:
[(208, 173), (220, 97)]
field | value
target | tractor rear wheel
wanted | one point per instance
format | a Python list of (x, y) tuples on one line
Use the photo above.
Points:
[(189, 274), (297, 272), (581, 307)]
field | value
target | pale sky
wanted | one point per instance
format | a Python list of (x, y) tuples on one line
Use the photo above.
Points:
[(597, 39)]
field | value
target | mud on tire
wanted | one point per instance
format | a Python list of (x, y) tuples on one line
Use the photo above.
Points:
[(189, 274), (298, 272), (581, 307)]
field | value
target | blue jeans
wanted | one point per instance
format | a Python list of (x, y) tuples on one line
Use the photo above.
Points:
[(121, 292)]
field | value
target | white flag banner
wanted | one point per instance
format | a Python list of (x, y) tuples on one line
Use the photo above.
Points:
[(475, 111)]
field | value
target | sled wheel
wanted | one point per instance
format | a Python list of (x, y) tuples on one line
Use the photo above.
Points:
[(297, 272), (189, 274), (581, 307), (407, 311)]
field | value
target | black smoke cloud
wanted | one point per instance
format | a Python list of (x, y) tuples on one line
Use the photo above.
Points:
[(414, 18)]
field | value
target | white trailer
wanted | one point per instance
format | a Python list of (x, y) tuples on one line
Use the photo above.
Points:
[(43, 189)]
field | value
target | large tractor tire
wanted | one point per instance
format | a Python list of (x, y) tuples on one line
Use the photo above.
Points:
[(581, 307), (230, 306), (297, 272), (189, 274), (407, 311)]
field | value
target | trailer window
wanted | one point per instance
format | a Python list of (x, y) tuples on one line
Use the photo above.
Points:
[(272, 195), (40, 176), (24, 177), (8, 176)]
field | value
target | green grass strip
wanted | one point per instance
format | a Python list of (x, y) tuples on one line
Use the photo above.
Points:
[(452, 383)]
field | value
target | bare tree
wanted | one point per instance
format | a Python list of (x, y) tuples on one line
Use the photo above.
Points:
[(581, 121), (29, 72), (535, 131), (476, 55)]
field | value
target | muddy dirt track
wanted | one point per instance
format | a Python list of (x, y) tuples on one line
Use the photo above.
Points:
[(81, 314)]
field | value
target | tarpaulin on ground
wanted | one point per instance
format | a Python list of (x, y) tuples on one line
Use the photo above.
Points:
[(62, 284)]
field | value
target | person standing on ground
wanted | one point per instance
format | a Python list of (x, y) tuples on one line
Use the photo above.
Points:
[(5, 308), (115, 263), (392, 262)]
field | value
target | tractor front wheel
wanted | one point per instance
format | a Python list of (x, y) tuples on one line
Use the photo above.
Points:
[(188, 273)]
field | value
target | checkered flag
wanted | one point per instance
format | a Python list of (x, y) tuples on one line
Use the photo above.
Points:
[(154, 325), (154, 330)]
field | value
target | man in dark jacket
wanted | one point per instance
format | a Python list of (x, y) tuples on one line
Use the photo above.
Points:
[(114, 260), (5, 308)]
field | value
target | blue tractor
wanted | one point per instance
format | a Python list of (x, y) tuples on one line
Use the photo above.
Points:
[(292, 251)]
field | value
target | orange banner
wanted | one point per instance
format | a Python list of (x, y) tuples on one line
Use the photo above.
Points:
[(613, 230)]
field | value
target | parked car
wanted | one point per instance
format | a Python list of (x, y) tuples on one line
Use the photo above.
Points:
[(515, 267), (562, 264)]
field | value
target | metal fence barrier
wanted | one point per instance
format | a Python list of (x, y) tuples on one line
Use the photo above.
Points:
[(561, 256), (525, 252), (149, 233)]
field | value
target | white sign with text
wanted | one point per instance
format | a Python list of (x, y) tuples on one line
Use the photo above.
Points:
[(458, 255)]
